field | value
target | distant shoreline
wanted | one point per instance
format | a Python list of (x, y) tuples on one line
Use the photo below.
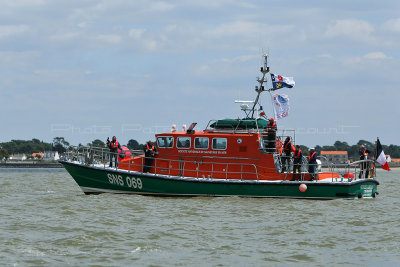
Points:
[(30, 165)]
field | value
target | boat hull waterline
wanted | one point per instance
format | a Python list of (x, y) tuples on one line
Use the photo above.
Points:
[(95, 180)]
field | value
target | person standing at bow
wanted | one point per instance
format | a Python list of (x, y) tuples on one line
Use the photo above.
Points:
[(113, 146), (297, 158)]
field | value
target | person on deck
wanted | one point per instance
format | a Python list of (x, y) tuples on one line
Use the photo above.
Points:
[(287, 150), (271, 134), (149, 152), (364, 166), (312, 163), (113, 146), (279, 146), (297, 158)]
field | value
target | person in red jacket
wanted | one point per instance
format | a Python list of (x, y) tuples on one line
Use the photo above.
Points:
[(271, 135), (279, 146), (297, 158), (149, 152), (364, 168), (113, 146), (312, 163), (287, 150)]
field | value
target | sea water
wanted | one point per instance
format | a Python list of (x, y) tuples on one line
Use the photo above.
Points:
[(45, 220)]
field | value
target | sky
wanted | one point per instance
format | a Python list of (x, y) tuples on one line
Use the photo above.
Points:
[(87, 70)]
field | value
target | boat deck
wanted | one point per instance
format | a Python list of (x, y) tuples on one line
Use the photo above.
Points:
[(333, 180)]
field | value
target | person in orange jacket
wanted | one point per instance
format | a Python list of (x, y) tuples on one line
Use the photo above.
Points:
[(114, 145), (279, 146), (287, 151), (312, 163), (297, 158)]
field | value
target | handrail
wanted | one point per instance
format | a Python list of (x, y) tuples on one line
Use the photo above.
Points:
[(102, 156), (226, 164)]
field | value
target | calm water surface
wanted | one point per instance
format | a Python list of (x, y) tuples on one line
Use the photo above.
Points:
[(45, 220)]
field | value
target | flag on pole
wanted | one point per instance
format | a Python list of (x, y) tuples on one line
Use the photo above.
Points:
[(279, 81), (281, 106), (380, 156)]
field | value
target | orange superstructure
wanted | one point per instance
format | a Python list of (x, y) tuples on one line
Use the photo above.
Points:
[(212, 154)]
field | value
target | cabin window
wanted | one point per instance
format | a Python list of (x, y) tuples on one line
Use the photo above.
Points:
[(201, 143), (219, 143), (165, 141), (183, 142)]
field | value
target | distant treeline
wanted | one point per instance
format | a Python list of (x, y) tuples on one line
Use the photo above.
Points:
[(61, 145)]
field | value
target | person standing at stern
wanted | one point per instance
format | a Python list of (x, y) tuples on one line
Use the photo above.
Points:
[(364, 166)]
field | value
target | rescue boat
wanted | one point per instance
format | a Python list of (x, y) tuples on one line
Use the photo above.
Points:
[(230, 157)]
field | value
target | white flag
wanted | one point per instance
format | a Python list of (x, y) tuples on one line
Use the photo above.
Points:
[(279, 81), (281, 105)]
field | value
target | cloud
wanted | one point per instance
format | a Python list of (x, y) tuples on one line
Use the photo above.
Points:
[(375, 55), (17, 60), (143, 39), (21, 3), (136, 33), (62, 37), (392, 25), (225, 68), (109, 38), (161, 6), (246, 29), (239, 59), (10, 30), (354, 29)]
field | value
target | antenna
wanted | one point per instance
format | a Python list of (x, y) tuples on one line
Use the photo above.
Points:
[(264, 70)]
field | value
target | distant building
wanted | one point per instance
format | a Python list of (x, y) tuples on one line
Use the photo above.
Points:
[(395, 161), (335, 156), (51, 155), (37, 155), (18, 157)]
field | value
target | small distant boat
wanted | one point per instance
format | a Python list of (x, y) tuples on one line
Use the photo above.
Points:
[(231, 157)]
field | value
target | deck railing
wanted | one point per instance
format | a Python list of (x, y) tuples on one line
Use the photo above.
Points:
[(268, 144), (358, 169), (102, 157)]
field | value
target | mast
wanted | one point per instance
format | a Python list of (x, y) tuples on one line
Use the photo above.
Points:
[(259, 89)]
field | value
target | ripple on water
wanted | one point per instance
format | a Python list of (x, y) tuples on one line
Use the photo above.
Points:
[(45, 220)]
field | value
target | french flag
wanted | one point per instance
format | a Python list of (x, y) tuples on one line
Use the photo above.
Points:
[(380, 156)]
